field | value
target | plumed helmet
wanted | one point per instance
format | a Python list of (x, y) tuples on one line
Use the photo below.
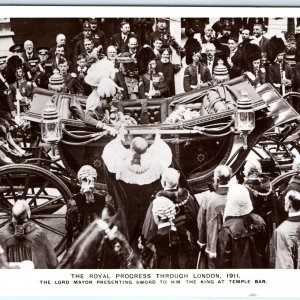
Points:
[(144, 56), (275, 46)]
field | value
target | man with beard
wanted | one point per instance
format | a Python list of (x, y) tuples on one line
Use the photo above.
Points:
[(196, 75), (168, 69), (84, 207)]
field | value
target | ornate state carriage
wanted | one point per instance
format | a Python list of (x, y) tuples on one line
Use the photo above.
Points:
[(205, 135)]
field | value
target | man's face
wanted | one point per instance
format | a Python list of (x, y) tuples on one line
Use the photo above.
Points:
[(43, 57), (256, 64), (63, 68), (61, 40), (111, 53), (60, 52), (257, 31), (87, 33), (226, 32), (208, 31), (210, 52), (245, 34), (165, 57), (196, 57), (152, 65), (280, 57), (161, 25), (28, 46), (19, 73), (81, 63), (157, 44), (93, 26), (125, 29), (132, 44), (88, 46), (232, 45)]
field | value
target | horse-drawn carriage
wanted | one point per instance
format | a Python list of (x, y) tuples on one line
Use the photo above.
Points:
[(218, 125)]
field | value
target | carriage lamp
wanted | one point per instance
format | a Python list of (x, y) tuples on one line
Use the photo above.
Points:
[(51, 125), (244, 117)]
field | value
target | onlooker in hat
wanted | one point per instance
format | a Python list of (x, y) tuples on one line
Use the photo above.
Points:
[(45, 65), (252, 63), (23, 239), (71, 81), (234, 60), (191, 46), (152, 84), (210, 215), (120, 40), (186, 209), (98, 36), (235, 23), (194, 27), (17, 50), (79, 47), (61, 42), (196, 75), (287, 235), (162, 32), (84, 207), (279, 72), (168, 69), (242, 239)]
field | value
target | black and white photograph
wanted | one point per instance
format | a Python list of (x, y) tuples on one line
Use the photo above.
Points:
[(155, 142)]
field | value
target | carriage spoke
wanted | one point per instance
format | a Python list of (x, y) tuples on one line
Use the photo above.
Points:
[(58, 232), (11, 187), (42, 188), (46, 204), (26, 187), (4, 223)]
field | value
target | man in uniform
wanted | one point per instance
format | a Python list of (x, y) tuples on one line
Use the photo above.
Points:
[(152, 84), (196, 75)]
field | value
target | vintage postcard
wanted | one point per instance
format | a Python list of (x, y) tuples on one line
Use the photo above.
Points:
[(149, 151)]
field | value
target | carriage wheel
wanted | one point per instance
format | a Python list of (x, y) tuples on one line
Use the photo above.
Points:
[(280, 183), (46, 195)]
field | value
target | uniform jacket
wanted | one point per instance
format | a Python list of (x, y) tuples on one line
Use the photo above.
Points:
[(190, 76), (287, 244), (73, 85), (263, 43), (274, 76), (241, 243), (98, 37), (237, 61), (159, 85), (34, 246)]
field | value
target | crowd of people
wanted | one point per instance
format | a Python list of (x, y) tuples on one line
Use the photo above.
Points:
[(235, 225)]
